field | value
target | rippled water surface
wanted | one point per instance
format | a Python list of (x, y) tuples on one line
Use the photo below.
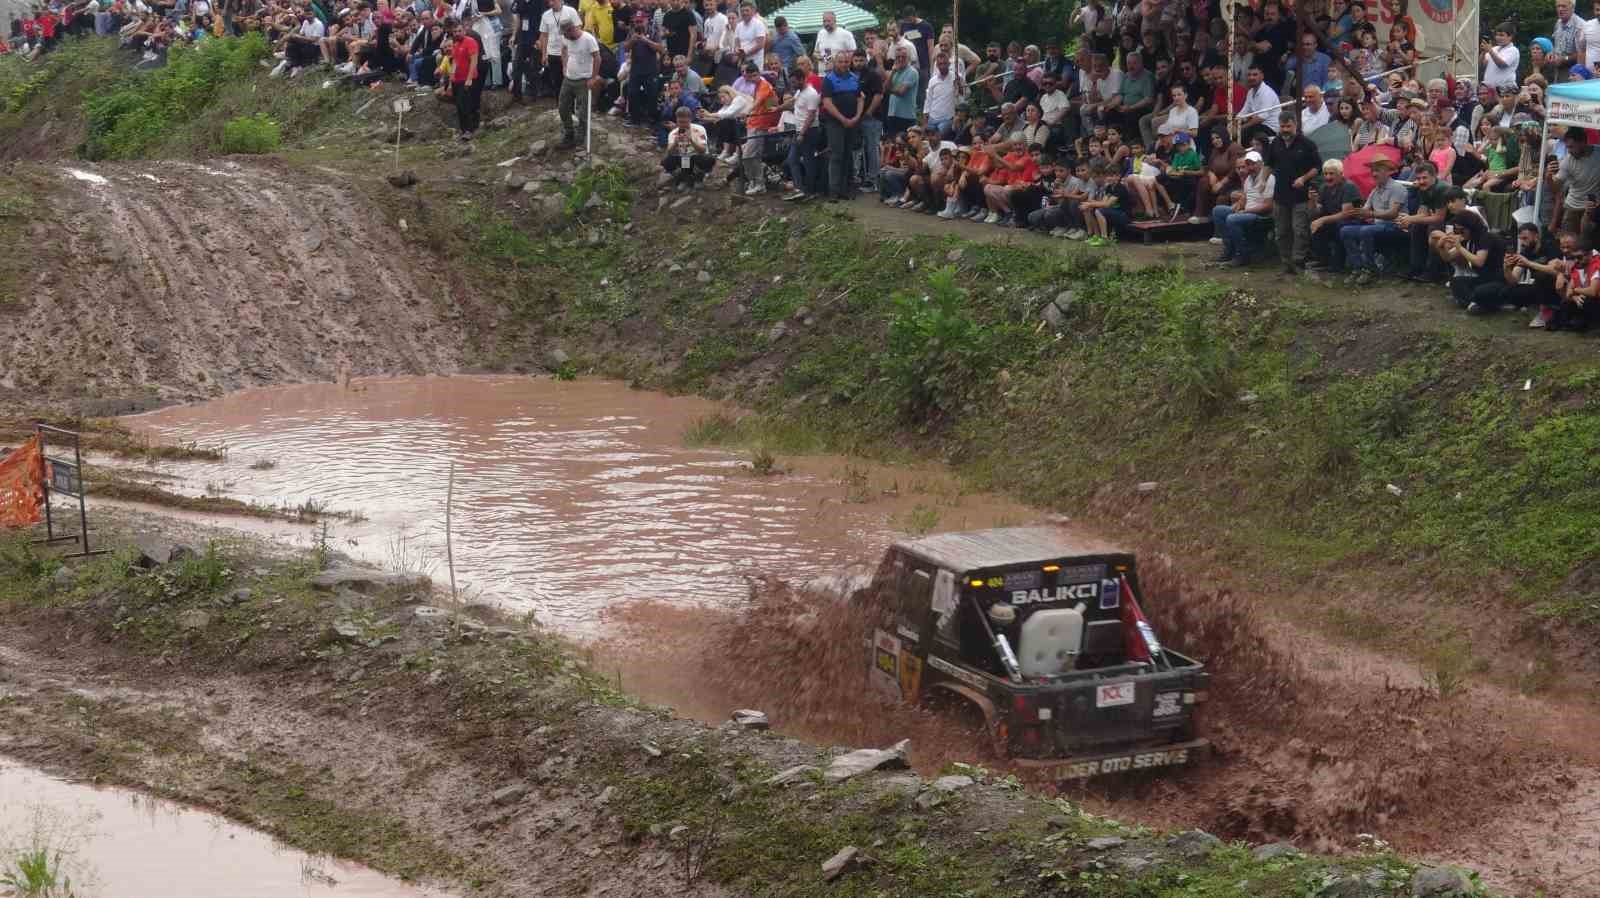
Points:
[(570, 496), (114, 843)]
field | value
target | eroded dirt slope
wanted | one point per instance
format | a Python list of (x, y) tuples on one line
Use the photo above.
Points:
[(185, 280)]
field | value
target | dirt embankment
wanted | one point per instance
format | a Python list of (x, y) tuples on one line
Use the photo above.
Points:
[(180, 280)]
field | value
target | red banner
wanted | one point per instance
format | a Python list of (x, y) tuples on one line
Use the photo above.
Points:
[(22, 485)]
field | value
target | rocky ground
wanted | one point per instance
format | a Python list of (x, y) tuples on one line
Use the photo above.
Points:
[(357, 713)]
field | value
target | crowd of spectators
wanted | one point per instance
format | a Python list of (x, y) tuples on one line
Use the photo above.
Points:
[(1147, 114)]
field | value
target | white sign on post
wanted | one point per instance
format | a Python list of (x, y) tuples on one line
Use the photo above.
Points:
[(401, 106)]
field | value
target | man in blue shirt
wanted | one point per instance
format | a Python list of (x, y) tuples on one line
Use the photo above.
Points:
[(1308, 66), (787, 44)]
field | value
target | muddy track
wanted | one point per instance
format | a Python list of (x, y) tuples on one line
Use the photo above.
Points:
[(192, 280)]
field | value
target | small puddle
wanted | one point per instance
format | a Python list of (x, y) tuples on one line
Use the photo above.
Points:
[(117, 843), (570, 497)]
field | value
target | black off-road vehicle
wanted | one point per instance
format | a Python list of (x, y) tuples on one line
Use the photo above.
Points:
[(1042, 635)]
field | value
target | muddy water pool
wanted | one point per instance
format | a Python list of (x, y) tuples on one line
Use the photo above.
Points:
[(570, 497), (115, 843)]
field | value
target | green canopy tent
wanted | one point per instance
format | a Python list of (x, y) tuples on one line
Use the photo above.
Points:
[(805, 16)]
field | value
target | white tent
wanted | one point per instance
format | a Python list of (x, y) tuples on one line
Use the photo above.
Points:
[(1574, 104)]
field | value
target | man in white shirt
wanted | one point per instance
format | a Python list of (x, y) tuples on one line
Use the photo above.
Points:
[(714, 28), (1259, 112), (1102, 92), (1054, 107), (552, 26), (945, 89), (750, 34), (1500, 59), (830, 40), (305, 45), (688, 160), (579, 52), (1229, 222), (1314, 112), (803, 167)]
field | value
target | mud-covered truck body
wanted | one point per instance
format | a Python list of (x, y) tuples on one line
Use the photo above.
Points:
[(1042, 634)]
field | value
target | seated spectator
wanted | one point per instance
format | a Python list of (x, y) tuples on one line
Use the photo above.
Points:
[(734, 106), (1145, 169), (1251, 203), (1334, 201), (1106, 214), (692, 83), (1385, 204), (1577, 285), (1218, 179), (1527, 281), (688, 158), (1465, 245), (1058, 212)]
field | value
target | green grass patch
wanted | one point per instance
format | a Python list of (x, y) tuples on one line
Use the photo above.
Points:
[(252, 134)]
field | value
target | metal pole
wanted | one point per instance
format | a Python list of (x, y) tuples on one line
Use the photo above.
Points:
[(449, 550), (1538, 189), (588, 120), (49, 522), (399, 129), (83, 502)]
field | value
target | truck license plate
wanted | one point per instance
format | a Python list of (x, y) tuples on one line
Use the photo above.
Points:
[(1146, 760), (1113, 694)]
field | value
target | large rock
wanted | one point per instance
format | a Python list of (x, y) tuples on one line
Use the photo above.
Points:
[(1105, 843), (1194, 844), (848, 858), (1436, 882), (952, 783), (751, 720), (194, 619), (154, 552), (509, 794), (364, 579), (1274, 850), (867, 759), (791, 776)]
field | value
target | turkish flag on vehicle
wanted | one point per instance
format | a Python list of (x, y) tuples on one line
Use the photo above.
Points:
[(1138, 637)]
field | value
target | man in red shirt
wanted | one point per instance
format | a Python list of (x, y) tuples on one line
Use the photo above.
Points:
[(466, 81), (1217, 115)]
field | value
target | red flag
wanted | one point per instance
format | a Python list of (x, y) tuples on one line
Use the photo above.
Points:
[(1138, 637)]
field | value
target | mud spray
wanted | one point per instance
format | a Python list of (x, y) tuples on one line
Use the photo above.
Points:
[(1297, 756)]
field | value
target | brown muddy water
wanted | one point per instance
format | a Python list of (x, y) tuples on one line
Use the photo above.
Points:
[(115, 843), (571, 498)]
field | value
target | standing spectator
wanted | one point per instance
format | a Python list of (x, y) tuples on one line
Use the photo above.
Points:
[(802, 163), (1500, 58), (680, 30), (946, 87), (525, 16), (786, 45), (600, 20), (466, 83), (1334, 202), (842, 110), (903, 79), (714, 27), (830, 40), (1578, 174), (750, 34), (763, 119), (1565, 38), (1294, 161), (873, 95), (644, 48), (579, 52), (1377, 218), (551, 27), (1274, 40), (1254, 200)]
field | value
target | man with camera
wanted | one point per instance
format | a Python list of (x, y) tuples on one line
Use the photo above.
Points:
[(688, 159)]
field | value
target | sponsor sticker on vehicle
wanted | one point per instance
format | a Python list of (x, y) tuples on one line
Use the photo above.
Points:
[(1113, 694), (1145, 760), (1167, 704)]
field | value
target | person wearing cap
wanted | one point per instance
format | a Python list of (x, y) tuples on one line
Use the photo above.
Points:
[(1252, 203), (1579, 73), (1539, 59), (1384, 204), (1294, 161)]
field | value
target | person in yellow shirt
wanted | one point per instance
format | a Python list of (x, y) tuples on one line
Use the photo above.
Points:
[(598, 20)]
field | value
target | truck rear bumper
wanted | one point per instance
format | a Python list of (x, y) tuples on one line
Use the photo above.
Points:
[(1176, 754)]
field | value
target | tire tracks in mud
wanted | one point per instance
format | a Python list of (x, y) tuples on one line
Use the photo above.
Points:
[(198, 279)]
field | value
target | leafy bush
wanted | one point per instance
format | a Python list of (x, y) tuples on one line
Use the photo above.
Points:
[(936, 351), (128, 120), (607, 182), (251, 134)]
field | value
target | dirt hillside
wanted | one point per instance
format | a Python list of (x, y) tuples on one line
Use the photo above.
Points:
[(191, 280)]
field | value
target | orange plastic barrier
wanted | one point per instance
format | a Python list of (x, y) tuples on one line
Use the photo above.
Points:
[(22, 485)]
